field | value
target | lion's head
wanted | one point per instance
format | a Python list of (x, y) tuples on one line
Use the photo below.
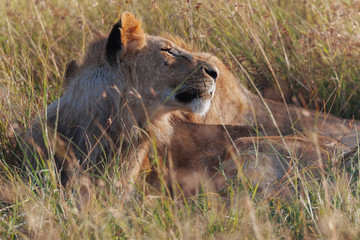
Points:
[(163, 74)]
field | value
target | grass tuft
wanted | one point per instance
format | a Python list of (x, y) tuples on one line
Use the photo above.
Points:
[(306, 53)]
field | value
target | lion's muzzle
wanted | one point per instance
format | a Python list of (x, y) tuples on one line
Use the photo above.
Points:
[(198, 91)]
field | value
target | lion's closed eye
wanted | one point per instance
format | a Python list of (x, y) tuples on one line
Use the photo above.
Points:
[(169, 50)]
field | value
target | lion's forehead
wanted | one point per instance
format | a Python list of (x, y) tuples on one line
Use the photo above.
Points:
[(156, 42), (160, 42)]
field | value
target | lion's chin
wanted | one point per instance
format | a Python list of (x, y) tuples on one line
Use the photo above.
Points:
[(200, 106), (196, 102)]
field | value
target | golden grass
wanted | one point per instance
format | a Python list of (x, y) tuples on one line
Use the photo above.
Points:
[(301, 51)]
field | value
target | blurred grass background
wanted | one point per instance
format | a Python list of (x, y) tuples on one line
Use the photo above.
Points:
[(308, 50)]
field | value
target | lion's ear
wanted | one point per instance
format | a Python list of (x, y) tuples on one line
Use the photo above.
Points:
[(131, 31), (126, 35), (113, 44)]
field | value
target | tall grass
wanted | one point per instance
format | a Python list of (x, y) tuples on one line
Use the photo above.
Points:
[(305, 52)]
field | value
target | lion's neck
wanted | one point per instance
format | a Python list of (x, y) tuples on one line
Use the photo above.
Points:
[(137, 123)]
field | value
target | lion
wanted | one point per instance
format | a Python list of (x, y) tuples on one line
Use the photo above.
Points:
[(117, 100)]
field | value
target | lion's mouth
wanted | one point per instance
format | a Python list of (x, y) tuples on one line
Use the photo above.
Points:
[(189, 96)]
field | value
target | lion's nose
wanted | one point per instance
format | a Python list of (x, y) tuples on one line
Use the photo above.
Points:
[(212, 72)]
